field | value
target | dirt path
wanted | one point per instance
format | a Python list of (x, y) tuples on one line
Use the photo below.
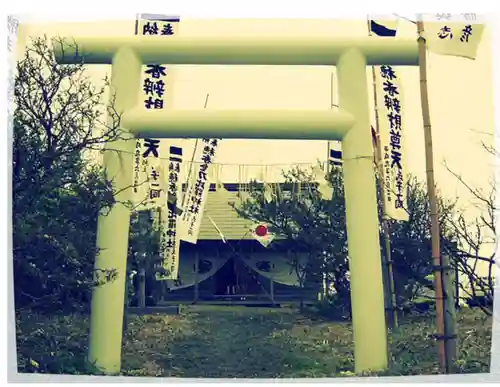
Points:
[(239, 342)]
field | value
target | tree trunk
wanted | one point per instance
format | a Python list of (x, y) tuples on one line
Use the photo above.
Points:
[(450, 318), (125, 304)]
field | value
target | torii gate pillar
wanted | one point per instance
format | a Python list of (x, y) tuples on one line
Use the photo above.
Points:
[(107, 305), (367, 292)]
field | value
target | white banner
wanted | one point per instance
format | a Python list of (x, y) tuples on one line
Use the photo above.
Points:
[(147, 175), (197, 189), (154, 94), (391, 126), (453, 38), (169, 237)]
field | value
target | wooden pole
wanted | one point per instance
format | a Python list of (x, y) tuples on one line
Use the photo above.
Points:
[(389, 288), (196, 270), (457, 285), (328, 142), (272, 289), (450, 317), (431, 191), (191, 166)]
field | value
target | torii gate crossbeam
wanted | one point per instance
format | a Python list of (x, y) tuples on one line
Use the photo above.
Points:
[(351, 124), (256, 124)]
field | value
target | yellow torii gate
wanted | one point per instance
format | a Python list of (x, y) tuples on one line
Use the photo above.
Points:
[(351, 125)]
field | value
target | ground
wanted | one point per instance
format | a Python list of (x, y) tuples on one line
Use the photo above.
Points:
[(244, 342)]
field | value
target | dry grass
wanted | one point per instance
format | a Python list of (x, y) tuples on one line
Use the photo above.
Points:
[(243, 342)]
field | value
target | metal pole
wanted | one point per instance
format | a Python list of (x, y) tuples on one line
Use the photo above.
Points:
[(431, 190), (386, 259)]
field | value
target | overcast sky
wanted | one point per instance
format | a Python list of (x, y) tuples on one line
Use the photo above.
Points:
[(460, 92)]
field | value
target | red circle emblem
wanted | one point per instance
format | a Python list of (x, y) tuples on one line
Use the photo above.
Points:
[(261, 230)]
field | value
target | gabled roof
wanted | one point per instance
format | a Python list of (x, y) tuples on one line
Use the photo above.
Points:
[(219, 209)]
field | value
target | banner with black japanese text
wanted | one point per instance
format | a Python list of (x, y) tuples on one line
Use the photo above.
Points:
[(155, 94), (169, 235), (455, 35), (392, 127), (198, 185)]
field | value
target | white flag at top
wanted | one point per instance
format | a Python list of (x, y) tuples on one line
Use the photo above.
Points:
[(453, 38), (383, 26)]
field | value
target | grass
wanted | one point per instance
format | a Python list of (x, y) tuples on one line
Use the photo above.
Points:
[(229, 342)]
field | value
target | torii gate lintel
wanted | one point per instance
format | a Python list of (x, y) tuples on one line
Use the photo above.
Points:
[(238, 50)]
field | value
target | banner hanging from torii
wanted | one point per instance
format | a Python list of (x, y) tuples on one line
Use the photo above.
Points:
[(169, 214), (198, 185), (391, 131), (154, 94), (157, 177)]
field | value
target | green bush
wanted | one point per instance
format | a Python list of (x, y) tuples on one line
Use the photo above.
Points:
[(334, 308), (56, 345)]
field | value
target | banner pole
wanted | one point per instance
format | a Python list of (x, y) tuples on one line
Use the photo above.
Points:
[(431, 191), (328, 142), (184, 198)]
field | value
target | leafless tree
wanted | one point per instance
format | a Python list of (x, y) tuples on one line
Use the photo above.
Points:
[(472, 236)]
